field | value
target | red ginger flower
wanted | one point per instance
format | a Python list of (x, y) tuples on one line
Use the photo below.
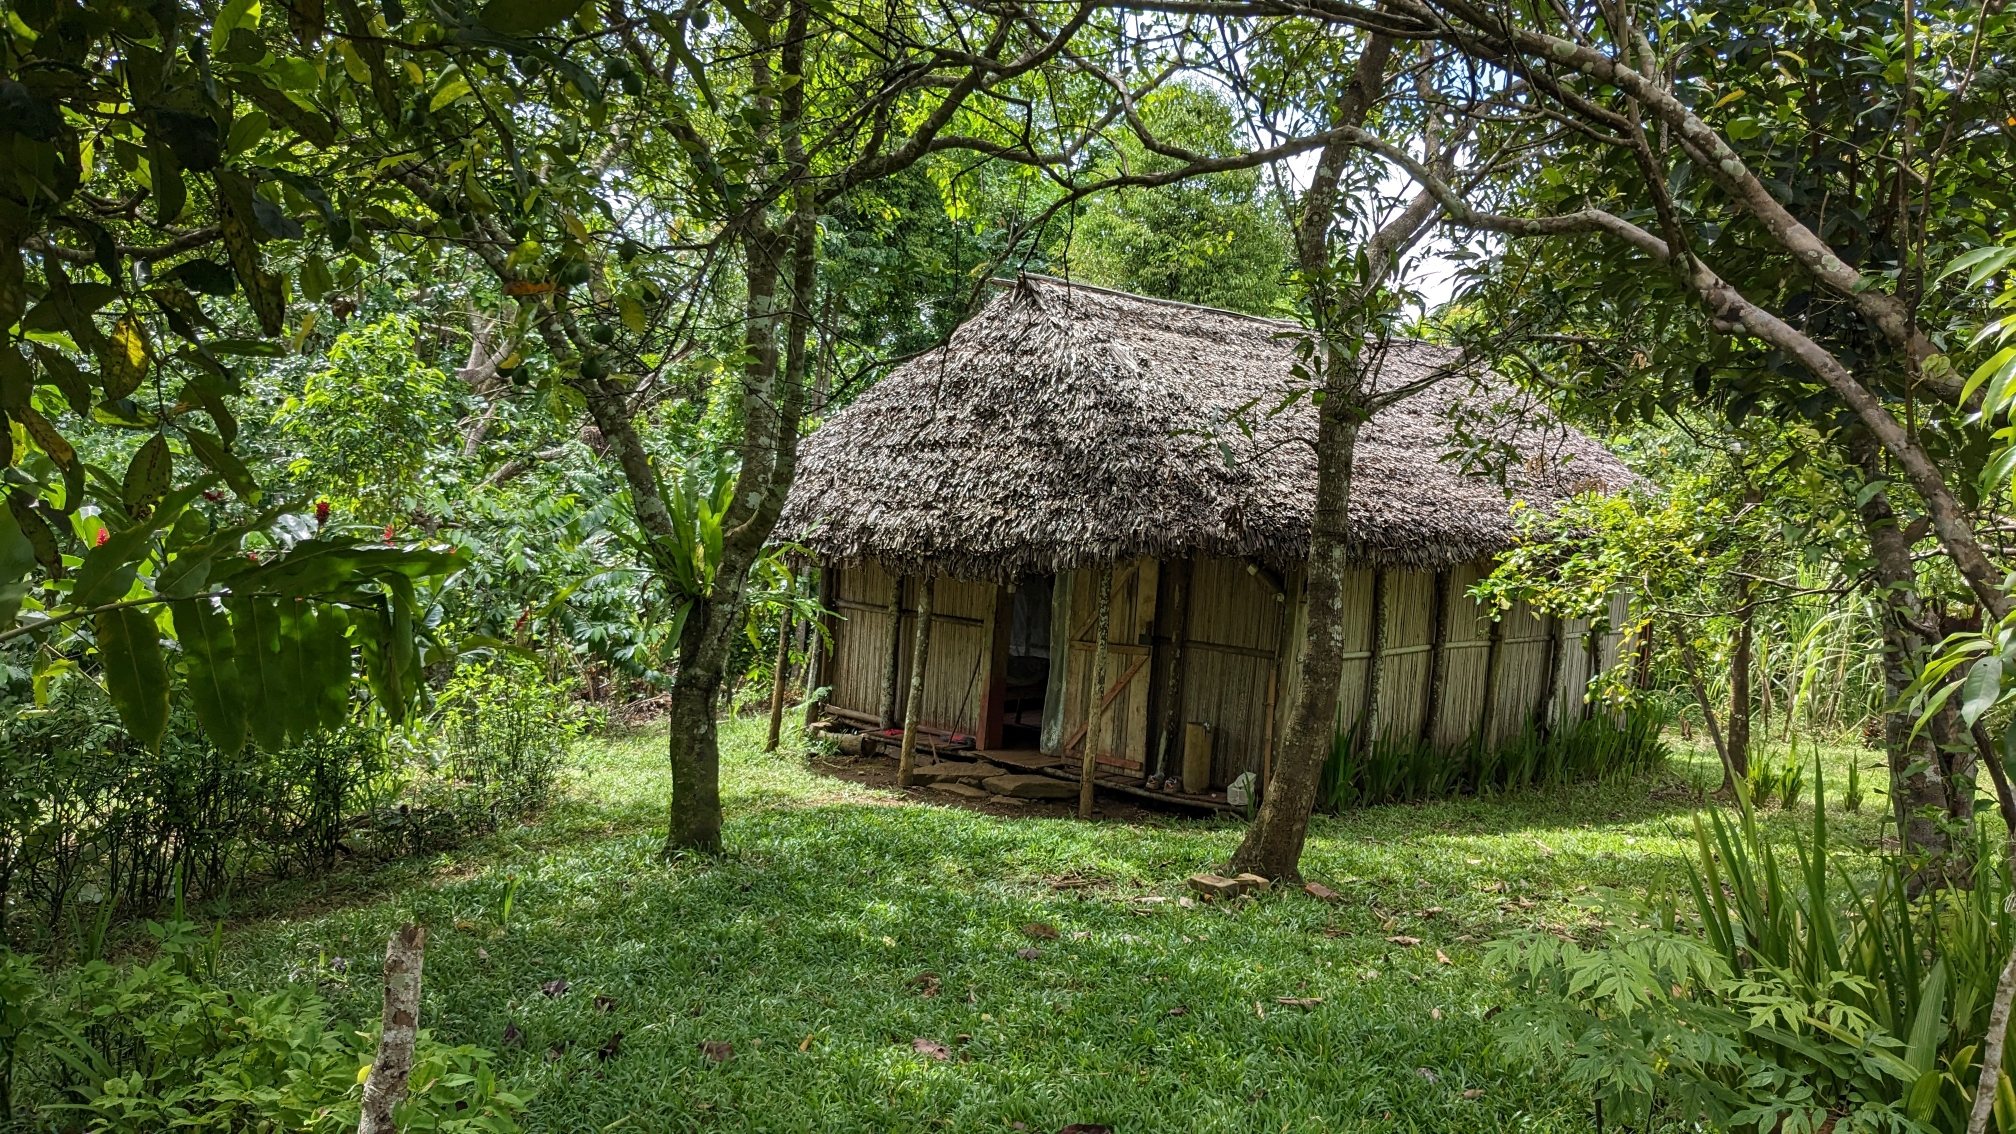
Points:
[(103, 535), (321, 512)]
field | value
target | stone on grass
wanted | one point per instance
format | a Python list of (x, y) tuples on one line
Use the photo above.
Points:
[(1254, 882), (1216, 885)]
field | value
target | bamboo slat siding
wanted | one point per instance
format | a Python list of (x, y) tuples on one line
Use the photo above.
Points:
[(1229, 652), (1124, 741), (1242, 628)]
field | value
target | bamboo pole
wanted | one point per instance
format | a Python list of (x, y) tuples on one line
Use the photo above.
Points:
[(919, 657), (780, 678), (385, 1085), (1438, 659), (1368, 714), (1172, 686), (1094, 732), (892, 669)]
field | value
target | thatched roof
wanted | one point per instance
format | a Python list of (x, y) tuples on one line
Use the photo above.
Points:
[(1064, 425)]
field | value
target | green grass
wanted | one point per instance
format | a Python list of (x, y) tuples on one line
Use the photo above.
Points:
[(806, 945)]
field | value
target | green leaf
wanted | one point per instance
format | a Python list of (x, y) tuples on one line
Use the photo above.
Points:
[(147, 475), (108, 569), (255, 631), (136, 678), (524, 17), (17, 557), (210, 663), (125, 358), (1982, 688)]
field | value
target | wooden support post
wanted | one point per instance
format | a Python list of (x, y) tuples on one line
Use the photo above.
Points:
[(385, 1085), (1368, 716), (780, 679), (1492, 660), (892, 669), (1094, 701), (1556, 658), (920, 654), (1438, 658), (1000, 629), (818, 645), (1169, 734), (1595, 647)]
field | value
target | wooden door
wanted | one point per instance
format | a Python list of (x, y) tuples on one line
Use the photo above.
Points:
[(1123, 739)]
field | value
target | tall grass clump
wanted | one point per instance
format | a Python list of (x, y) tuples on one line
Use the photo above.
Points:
[(1805, 991), (1393, 770)]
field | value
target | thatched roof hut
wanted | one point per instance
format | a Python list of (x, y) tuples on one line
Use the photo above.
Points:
[(1064, 425), (1076, 457)]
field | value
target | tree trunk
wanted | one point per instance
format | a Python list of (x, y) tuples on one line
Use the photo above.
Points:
[(1692, 663), (1272, 847), (1920, 793), (695, 756), (385, 1086), (1741, 701), (780, 680)]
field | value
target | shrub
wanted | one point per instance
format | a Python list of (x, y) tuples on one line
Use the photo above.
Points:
[(499, 737), (155, 1046), (1792, 998), (90, 820)]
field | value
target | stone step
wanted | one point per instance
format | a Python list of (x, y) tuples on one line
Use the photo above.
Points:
[(1031, 787), (969, 771), (963, 791)]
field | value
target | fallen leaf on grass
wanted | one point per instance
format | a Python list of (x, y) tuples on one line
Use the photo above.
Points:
[(1040, 931), (1320, 892), (1474, 1093), (1544, 848), (1442, 958), (1299, 1001), (1086, 1128), (1179, 1010), (1403, 939), (555, 988), (1029, 953), (926, 984), (1428, 1074), (556, 1051), (512, 1036), (605, 1003), (717, 1051), (1435, 1013), (608, 1050), (931, 1049), (806, 1043)]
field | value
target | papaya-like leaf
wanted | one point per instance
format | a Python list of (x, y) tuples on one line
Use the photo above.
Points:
[(210, 666), (136, 678), (255, 633), (124, 361)]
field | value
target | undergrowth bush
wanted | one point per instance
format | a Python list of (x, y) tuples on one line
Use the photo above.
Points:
[(91, 821), (1391, 770), (151, 1046), (94, 826), (1795, 995), (495, 746)]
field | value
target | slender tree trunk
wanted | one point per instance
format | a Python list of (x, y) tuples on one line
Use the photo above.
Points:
[(385, 1086), (780, 680), (1692, 662), (1741, 701), (1095, 694)]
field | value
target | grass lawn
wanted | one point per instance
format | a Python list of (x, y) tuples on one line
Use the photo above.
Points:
[(864, 955)]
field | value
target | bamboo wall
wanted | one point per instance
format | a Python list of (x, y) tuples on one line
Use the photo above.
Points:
[(961, 629), (1422, 662)]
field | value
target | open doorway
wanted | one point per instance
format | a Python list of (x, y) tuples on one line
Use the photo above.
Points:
[(1028, 674)]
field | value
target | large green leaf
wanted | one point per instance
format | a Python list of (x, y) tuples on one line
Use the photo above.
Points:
[(255, 629), (17, 557), (299, 707), (210, 663), (136, 678)]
